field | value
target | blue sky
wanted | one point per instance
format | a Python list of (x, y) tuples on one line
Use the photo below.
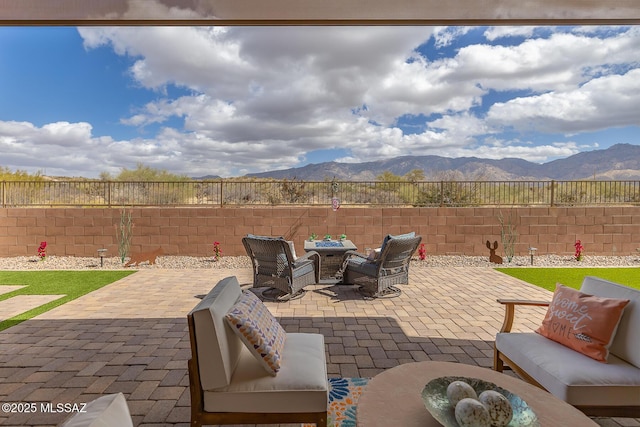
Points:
[(229, 101)]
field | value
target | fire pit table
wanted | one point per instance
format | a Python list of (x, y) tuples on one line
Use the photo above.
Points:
[(331, 253)]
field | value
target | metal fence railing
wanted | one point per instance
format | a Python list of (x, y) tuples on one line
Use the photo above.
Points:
[(310, 193)]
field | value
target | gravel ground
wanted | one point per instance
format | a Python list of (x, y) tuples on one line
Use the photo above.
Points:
[(182, 262)]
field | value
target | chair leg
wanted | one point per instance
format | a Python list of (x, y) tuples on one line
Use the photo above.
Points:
[(276, 295), (498, 364), (388, 292)]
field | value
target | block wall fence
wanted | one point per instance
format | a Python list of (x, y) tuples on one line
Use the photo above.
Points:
[(192, 231)]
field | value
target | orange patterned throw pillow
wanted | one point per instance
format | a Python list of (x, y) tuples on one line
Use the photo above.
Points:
[(260, 332), (582, 322)]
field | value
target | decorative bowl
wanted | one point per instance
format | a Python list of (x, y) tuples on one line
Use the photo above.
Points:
[(434, 396)]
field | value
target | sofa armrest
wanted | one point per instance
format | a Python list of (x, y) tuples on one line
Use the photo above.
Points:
[(315, 257), (510, 310), (353, 254)]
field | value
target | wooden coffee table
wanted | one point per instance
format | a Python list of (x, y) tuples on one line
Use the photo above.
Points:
[(394, 397)]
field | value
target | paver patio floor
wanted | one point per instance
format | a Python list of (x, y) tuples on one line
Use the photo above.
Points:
[(131, 336), (21, 303)]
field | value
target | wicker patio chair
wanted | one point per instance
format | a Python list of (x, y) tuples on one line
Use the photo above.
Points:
[(276, 267), (378, 277)]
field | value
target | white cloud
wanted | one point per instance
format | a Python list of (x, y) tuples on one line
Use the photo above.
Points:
[(444, 36), (57, 147), (495, 33), (530, 152), (65, 134), (261, 98), (605, 102), (56, 135), (560, 62)]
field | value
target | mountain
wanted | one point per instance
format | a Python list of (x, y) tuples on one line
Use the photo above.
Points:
[(618, 162)]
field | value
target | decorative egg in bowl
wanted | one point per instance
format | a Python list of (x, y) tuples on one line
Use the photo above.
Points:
[(496, 407)]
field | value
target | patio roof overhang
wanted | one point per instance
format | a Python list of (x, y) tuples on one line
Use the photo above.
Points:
[(318, 12)]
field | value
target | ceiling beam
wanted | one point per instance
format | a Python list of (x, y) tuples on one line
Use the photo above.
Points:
[(318, 12)]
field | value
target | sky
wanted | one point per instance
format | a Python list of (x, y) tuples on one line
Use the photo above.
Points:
[(227, 101)]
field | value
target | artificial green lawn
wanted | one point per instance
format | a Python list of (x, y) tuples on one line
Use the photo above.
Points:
[(71, 284), (572, 277)]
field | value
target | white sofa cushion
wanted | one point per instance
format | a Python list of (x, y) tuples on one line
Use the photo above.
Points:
[(106, 411), (300, 386), (572, 376), (217, 345), (626, 343)]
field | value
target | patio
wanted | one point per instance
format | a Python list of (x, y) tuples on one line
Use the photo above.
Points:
[(131, 336)]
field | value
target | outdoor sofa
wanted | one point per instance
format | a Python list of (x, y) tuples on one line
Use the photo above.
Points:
[(597, 388)]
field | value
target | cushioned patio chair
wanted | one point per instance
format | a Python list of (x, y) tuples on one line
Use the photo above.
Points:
[(377, 276), (276, 266), (231, 376)]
